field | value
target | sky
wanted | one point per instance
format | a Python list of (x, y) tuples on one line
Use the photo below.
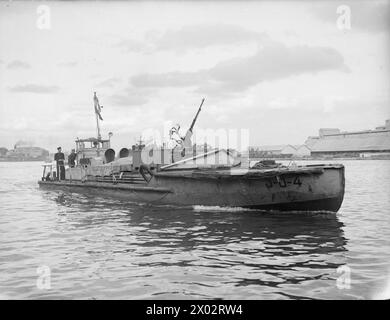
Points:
[(280, 70)]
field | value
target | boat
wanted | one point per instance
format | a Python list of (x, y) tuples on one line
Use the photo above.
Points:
[(182, 176)]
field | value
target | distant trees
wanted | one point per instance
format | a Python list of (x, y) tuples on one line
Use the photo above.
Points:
[(3, 151)]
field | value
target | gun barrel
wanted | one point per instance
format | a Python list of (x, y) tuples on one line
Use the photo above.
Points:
[(196, 116)]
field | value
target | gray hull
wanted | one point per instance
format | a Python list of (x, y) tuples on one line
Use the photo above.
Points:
[(315, 188)]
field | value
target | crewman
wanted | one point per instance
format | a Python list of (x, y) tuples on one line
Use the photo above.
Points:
[(59, 157), (72, 158)]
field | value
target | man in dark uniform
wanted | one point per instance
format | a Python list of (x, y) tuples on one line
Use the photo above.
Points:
[(72, 158), (59, 157)]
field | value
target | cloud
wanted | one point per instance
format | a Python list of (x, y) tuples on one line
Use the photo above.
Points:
[(272, 62), (134, 45), (193, 37), (128, 98), (110, 82), (371, 16), (17, 64), (201, 36), (34, 88), (69, 64), (276, 62), (169, 79)]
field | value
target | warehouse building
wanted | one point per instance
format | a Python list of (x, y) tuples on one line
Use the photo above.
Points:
[(303, 151), (275, 151), (280, 151), (332, 141), (27, 153)]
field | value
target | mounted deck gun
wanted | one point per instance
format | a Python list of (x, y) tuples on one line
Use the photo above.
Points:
[(185, 142)]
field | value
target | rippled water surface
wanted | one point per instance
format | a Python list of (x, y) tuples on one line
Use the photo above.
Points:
[(100, 248)]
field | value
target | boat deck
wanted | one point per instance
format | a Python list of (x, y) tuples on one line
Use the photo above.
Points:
[(247, 173)]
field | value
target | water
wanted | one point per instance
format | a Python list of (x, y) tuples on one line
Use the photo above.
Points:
[(96, 248)]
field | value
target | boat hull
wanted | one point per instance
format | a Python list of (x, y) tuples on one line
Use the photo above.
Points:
[(311, 189), (318, 188)]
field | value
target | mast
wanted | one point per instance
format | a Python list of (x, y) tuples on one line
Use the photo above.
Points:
[(97, 114), (98, 128)]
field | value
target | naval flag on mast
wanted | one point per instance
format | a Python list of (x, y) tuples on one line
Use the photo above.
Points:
[(98, 107)]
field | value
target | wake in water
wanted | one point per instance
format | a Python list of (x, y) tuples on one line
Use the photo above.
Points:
[(201, 208)]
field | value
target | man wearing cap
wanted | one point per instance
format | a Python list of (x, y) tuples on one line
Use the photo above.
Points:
[(59, 157), (72, 158)]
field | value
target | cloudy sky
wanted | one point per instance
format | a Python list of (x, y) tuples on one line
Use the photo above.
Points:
[(281, 70)]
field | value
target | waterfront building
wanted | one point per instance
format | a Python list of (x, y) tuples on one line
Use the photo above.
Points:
[(26, 153), (302, 151), (331, 142), (277, 151)]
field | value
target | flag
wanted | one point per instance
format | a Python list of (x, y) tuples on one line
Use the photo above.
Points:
[(98, 107)]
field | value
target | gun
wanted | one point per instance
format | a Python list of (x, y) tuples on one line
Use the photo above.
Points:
[(196, 117)]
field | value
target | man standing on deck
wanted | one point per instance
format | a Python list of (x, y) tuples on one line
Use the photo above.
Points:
[(72, 158), (59, 157)]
